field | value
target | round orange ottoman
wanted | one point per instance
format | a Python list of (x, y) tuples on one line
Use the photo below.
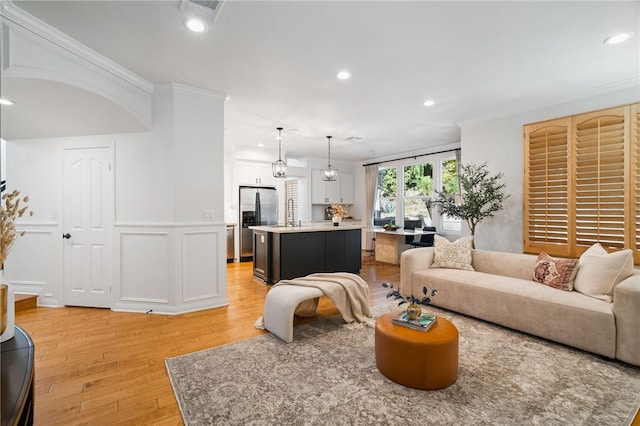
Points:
[(417, 359)]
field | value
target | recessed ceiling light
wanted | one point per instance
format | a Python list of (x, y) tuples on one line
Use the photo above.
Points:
[(617, 38), (196, 25), (343, 75), (429, 102), (6, 102), (261, 145)]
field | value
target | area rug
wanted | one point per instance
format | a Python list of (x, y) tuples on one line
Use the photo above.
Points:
[(328, 376)]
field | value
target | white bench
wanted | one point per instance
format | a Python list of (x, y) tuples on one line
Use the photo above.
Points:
[(281, 304)]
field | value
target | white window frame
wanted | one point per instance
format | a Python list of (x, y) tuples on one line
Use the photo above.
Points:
[(436, 161)]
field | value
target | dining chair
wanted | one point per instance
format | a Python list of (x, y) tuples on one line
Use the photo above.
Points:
[(425, 240)]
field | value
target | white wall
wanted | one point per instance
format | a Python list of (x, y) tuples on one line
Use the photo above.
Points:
[(198, 147), (499, 142), (34, 265), (167, 257), (168, 234)]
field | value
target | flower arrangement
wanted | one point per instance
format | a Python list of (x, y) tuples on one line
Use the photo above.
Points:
[(412, 300), (10, 210), (338, 210)]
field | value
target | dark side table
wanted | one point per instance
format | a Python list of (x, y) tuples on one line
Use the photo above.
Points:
[(16, 366)]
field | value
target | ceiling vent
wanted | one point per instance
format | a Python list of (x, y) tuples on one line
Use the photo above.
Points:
[(203, 8)]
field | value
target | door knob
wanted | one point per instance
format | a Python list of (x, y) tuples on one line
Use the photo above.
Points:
[(66, 236)]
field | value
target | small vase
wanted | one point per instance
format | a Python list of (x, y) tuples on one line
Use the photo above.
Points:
[(8, 311), (4, 298), (336, 220), (413, 311)]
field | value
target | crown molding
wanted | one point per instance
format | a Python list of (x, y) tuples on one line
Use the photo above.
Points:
[(188, 90), (626, 84), (12, 13)]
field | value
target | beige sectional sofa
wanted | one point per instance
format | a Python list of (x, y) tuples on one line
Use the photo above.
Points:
[(501, 290)]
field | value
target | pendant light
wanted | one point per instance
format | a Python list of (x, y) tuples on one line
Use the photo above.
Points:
[(279, 167), (330, 173)]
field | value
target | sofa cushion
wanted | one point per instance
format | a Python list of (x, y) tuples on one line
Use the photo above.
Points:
[(556, 273), (456, 255), (599, 272), (571, 318), (515, 265)]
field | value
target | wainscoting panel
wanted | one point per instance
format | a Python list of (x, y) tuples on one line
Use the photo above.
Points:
[(145, 267), (170, 268), (200, 265), (30, 266)]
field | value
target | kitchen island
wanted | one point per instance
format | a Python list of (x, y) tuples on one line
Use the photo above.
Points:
[(286, 252)]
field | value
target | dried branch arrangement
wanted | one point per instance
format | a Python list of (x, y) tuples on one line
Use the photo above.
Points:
[(12, 207)]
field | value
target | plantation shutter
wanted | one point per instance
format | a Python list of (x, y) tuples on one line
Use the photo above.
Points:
[(599, 179), (582, 183), (291, 192), (635, 179), (547, 190)]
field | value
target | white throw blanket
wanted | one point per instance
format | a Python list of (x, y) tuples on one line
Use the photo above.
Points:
[(348, 292)]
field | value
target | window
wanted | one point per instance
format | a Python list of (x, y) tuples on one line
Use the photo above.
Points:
[(385, 211), (418, 187), (291, 192), (634, 215), (547, 195), (599, 161), (450, 185), (582, 183), (404, 193)]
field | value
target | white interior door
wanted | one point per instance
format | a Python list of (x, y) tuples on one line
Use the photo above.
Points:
[(88, 222)]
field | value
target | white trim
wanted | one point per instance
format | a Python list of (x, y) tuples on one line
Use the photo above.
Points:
[(13, 13), (164, 88), (169, 310), (629, 83), (172, 225)]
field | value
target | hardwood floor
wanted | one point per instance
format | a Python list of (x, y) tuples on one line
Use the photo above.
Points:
[(98, 367)]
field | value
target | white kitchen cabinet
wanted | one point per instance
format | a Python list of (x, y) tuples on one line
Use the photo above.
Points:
[(255, 173), (318, 188), (328, 192), (346, 188)]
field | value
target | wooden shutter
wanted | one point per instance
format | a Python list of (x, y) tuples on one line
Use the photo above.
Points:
[(634, 214), (599, 179), (547, 187), (291, 192)]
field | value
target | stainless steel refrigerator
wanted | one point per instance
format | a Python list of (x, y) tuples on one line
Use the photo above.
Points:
[(258, 206)]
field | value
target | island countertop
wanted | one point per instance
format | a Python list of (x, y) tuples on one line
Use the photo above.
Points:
[(281, 229)]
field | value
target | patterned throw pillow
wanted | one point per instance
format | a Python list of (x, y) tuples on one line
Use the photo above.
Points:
[(456, 255), (556, 273)]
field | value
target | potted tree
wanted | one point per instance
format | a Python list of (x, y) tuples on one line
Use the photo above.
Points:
[(481, 196)]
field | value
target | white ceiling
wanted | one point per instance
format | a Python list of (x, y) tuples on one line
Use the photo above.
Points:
[(277, 60)]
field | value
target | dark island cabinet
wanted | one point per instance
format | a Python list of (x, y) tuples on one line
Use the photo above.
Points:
[(290, 255), (261, 254)]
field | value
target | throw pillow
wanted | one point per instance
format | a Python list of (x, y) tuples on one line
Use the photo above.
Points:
[(600, 271), (556, 273), (456, 255)]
